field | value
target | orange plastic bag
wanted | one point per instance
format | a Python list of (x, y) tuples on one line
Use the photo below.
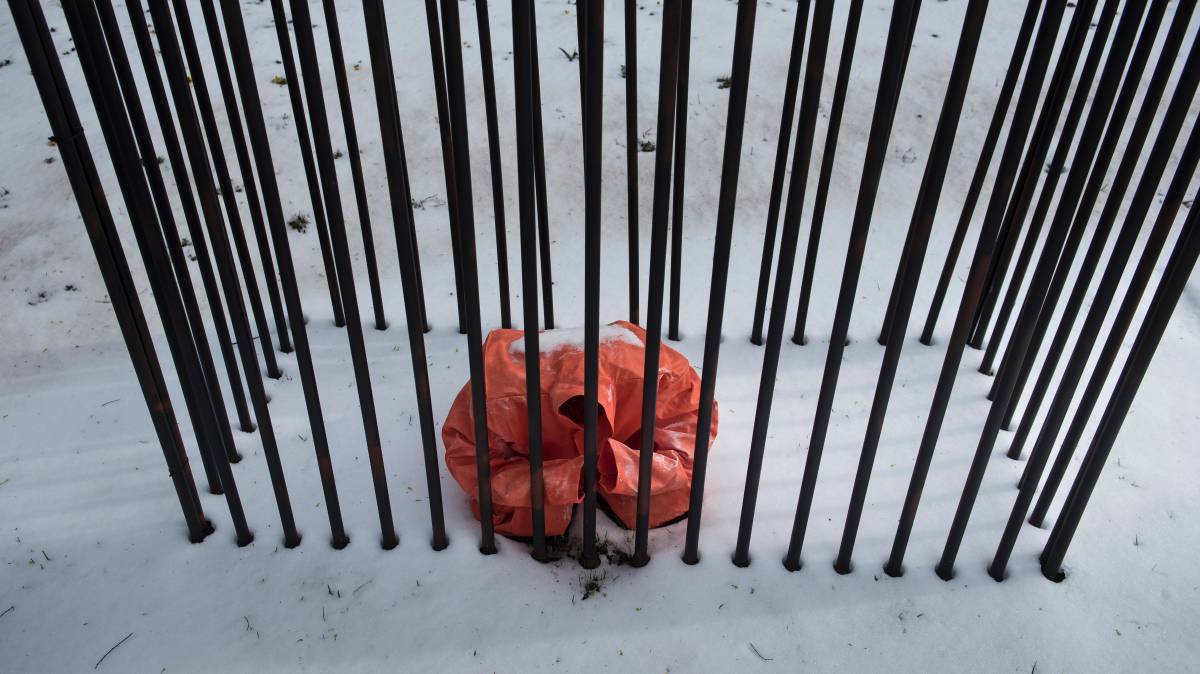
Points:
[(622, 358)]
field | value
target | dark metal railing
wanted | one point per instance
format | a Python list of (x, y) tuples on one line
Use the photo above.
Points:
[(1077, 120)]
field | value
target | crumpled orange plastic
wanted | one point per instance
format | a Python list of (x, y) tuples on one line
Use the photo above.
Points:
[(622, 359)]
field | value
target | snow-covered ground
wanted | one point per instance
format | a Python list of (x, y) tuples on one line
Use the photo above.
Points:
[(94, 548)]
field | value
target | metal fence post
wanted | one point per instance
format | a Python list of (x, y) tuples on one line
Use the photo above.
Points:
[(920, 227), (735, 128), (667, 89)]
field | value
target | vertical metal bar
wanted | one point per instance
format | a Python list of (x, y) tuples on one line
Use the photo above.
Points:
[(904, 16), (1041, 313), (1020, 47), (493, 127), (786, 122), (539, 173), (1038, 287), (356, 172), (787, 255), (523, 75), (446, 131), (209, 429), (1172, 203), (1057, 167), (452, 37), (908, 43), (401, 202), (228, 196), (735, 127), (256, 126), (247, 172), (1026, 106), (170, 234), (412, 234), (829, 154), (306, 155), (212, 291), (177, 79), (581, 60), (306, 49), (1031, 170), (1183, 260), (1091, 394), (199, 407), (1055, 418), (97, 68), (922, 223), (631, 154), (85, 185), (894, 296), (777, 182), (593, 181), (667, 87), (679, 165)]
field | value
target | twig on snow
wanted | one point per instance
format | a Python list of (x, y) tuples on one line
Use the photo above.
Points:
[(106, 653), (760, 655)]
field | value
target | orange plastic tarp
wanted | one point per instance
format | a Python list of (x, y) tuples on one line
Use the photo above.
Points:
[(622, 359)]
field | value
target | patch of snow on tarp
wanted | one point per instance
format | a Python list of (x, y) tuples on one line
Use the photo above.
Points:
[(550, 341)]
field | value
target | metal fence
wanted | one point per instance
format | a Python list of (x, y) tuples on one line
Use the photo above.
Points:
[(1070, 138)]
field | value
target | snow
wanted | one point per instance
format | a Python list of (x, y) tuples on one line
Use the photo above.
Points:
[(94, 548), (561, 338)]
